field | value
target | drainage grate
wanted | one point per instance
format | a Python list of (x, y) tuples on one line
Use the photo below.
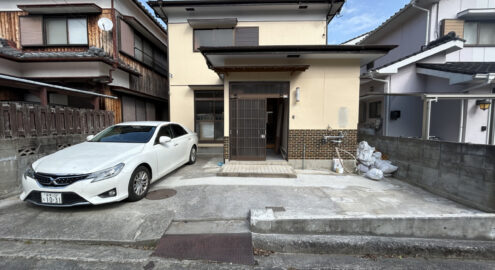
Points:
[(161, 194), (230, 248)]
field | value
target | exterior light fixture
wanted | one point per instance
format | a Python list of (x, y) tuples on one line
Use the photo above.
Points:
[(298, 94), (484, 104)]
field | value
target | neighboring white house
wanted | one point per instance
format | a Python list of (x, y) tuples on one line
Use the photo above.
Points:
[(431, 61)]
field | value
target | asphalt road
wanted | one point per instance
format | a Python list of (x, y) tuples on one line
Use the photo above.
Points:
[(53, 256)]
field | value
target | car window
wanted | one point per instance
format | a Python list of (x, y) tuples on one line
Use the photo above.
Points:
[(164, 131), (178, 131), (126, 134)]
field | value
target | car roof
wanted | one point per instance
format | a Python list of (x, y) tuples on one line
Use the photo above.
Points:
[(144, 123)]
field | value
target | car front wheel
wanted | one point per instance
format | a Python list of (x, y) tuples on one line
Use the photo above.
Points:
[(139, 184), (192, 155)]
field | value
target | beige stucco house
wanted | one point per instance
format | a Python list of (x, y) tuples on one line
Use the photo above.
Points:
[(257, 78)]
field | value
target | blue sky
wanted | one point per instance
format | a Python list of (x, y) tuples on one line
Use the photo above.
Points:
[(357, 17), (361, 16)]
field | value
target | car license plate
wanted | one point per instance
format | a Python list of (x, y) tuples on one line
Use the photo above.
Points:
[(51, 198)]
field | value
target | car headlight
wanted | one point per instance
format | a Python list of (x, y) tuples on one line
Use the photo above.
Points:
[(29, 172), (107, 173)]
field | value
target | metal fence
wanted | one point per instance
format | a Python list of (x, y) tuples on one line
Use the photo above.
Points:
[(19, 120)]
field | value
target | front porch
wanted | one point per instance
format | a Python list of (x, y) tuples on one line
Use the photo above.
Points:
[(268, 169)]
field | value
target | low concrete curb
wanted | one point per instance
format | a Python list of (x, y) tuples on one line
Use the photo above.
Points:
[(374, 245), (449, 226)]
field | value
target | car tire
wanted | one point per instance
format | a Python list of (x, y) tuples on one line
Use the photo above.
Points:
[(193, 155), (139, 184)]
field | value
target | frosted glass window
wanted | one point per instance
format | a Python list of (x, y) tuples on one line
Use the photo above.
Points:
[(78, 31), (213, 38), (487, 33), (471, 33), (56, 31)]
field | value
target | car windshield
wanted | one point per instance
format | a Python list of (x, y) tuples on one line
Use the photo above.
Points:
[(126, 134)]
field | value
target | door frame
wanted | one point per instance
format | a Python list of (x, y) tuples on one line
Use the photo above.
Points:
[(239, 90)]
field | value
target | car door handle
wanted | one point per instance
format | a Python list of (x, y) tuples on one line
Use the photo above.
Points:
[(176, 144)]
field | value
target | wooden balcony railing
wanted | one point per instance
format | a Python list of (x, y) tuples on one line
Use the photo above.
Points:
[(20, 120)]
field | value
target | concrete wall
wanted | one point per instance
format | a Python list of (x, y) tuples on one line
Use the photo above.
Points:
[(17, 154), (461, 172)]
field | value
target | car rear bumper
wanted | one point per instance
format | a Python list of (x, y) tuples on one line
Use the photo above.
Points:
[(82, 192)]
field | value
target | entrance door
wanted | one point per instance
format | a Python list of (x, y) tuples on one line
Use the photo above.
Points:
[(248, 129)]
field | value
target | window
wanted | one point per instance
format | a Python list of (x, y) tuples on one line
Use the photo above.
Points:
[(213, 38), (375, 109), (66, 31), (479, 33), (178, 131), (148, 54), (164, 131), (209, 117), (126, 134), (241, 36), (362, 112)]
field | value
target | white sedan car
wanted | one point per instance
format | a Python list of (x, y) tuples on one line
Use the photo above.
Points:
[(118, 163)]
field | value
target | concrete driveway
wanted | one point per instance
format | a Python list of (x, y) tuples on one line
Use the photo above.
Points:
[(202, 197)]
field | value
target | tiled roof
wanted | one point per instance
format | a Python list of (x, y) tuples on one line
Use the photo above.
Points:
[(8, 51), (470, 68), (152, 16)]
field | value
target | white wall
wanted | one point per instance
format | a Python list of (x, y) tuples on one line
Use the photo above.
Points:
[(475, 119), (409, 35), (472, 54)]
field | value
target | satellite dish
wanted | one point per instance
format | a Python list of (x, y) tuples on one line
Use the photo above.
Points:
[(105, 24)]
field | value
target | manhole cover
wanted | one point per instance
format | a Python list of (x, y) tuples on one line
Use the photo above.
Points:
[(161, 194)]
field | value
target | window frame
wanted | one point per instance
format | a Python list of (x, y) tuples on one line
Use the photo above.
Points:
[(157, 139), (45, 36), (210, 29), (221, 99), (478, 29), (233, 35), (173, 131), (378, 112)]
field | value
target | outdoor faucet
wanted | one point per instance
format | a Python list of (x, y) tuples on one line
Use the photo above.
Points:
[(334, 139)]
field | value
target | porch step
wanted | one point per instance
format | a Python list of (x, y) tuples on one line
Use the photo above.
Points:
[(268, 169)]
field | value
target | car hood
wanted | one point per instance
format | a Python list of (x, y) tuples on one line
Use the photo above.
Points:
[(87, 157)]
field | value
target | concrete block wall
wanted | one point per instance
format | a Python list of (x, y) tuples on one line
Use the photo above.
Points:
[(17, 154), (460, 172)]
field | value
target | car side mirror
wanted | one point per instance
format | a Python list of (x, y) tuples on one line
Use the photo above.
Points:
[(165, 140), (90, 137)]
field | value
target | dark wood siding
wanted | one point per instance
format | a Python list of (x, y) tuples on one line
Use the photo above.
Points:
[(247, 36), (10, 29)]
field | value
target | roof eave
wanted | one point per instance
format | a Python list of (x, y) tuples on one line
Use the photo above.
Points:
[(394, 68)]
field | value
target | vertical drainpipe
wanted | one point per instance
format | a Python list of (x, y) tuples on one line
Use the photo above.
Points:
[(491, 126), (462, 122), (114, 42), (427, 39)]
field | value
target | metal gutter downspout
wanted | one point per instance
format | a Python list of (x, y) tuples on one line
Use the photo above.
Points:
[(387, 100), (114, 42), (427, 39)]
